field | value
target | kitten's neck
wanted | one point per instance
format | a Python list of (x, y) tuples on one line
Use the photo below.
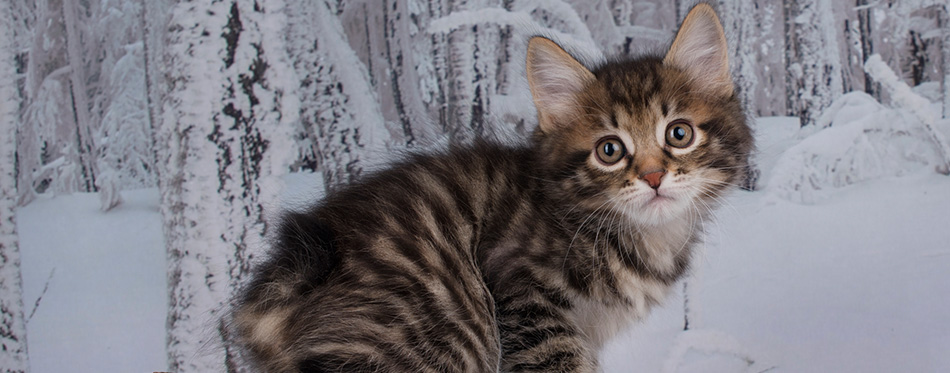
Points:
[(642, 267), (655, 250), (665, 247)]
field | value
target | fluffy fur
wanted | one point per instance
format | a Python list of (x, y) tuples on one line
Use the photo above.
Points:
[(491, 257)]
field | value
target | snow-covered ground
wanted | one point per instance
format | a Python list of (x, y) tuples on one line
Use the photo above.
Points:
[(104, 309), (855, 281)]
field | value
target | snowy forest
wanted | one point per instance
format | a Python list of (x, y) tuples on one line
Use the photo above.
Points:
[(177, 129)]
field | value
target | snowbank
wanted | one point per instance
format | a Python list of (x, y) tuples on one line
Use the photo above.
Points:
[(856, 139)]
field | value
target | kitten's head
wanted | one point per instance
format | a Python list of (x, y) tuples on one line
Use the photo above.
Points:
[(652, 138)]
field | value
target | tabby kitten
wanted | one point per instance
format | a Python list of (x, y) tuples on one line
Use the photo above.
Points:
[(491, 257)]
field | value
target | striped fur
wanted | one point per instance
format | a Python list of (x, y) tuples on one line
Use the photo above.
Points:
[(491, 257)]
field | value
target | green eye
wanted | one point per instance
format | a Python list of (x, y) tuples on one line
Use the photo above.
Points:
[(679, 134), (610, 150)]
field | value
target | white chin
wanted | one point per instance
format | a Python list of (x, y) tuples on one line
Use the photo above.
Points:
[(658, 210)]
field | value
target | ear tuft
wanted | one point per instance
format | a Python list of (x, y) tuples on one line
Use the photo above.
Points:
[(555, 79), (700, 49)]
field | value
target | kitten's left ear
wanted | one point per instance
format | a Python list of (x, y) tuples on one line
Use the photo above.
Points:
[(700, 49)]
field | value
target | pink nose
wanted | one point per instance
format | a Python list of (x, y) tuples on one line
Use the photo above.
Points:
[(653, 178)]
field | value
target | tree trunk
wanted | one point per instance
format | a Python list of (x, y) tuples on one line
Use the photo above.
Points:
[(155, 17), (791, 56), (739, 26), (13, 347), (389, 37), (226, 142), (812, 58), (23, 26), (473, 58), (85, 142), (945, 55), (429, 84), (338, 122), (867, 46)]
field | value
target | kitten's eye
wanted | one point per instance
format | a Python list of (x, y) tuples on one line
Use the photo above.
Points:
[(679, 134), (610, 150)]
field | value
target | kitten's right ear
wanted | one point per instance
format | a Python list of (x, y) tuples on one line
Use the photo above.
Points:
[(700, 49), (555, 79)]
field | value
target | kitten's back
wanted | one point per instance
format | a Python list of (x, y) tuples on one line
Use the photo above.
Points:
[(382, 275)]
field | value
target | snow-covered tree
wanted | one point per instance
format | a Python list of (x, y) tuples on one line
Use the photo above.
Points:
[(636, 25), (429, 84), (472, 58), (865, 29), (46, 148), (78, 63), (83, 91), (812, 58), (124, 156), (13, 348), (740, 23), (225, 140), (768, 45), (155, 17), (945, 56), (388, 36), (340, 120)]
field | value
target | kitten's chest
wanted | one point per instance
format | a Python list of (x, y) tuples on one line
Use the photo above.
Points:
[(635, 291), (600, 319)]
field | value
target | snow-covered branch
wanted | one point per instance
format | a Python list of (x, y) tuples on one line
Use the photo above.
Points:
[(579, 40), (917, 105)]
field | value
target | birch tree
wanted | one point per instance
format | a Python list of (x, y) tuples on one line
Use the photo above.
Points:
[(155, 18), (768, 46), (945, 55), (471, 73), (428, 84), (226, 141), (812, 58), (123, 137), (47, 157), (13, 348), (866, 27), (85, 144), (739, 22), (340, 119), (83, 121), (399, 58)]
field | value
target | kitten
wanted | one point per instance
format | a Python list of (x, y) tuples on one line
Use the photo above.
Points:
[(491, 257)]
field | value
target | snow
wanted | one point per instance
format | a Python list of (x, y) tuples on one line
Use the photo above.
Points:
[(903, 95), (854, 282), (854, 140), (104, 310)]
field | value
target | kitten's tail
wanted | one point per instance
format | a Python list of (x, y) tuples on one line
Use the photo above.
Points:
[(303, 257)]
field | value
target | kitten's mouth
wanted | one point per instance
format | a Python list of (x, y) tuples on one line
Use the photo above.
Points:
[(659, 200), (655, 201), (660, 208), (654, 208)]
